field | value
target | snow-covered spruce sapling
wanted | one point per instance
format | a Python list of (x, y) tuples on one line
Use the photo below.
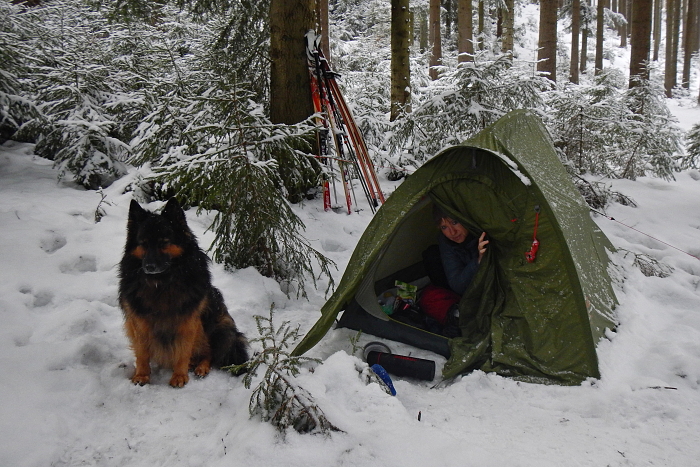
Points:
[(692, 158), (649, 266), (354, 342), (277, 398)]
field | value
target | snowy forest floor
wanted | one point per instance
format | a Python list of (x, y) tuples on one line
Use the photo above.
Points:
[(67, 399)]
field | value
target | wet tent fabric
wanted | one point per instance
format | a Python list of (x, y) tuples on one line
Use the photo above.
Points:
[(540, 320)]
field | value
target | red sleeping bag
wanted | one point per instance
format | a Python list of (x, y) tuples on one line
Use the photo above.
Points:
[(435, 301)]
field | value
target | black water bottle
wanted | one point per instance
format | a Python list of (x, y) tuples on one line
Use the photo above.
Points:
[(402, 365)]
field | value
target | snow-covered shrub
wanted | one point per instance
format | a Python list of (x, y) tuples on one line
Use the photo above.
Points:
[(77, 90), (692, 158), (16, 55), (215, 148), (464, 100), (278, 398), (609, 130)]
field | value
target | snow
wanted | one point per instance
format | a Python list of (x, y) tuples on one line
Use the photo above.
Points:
[(67, 399)]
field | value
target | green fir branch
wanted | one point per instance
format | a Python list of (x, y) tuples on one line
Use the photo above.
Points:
[(277, 398)]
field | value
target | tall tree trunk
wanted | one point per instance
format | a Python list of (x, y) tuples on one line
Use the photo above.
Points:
[(690, 32), (624, 29), (677, 16), (435, 39), (575, 32), (482, 14), (423, 33), (658, 7), (547, 54), (499, 23), (290, 94), (465, 31), (448, 19), (641, 39), (599, 35), (584, 49), (400, 63), (508, 26), (670, 67), (323, 28), (585, 32)]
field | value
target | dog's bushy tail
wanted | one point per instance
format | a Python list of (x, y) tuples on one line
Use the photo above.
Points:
[(233, 347)]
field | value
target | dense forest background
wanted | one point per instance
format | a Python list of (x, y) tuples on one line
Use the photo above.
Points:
[(184, 96)]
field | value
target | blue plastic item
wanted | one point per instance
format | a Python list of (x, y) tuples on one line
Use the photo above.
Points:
[(384, 376)]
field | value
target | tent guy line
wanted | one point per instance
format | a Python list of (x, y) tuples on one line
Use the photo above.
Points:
[(644, 233)]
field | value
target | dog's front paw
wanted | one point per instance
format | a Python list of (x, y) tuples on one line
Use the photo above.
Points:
[(141, 379), (202, 369), (178, 380)]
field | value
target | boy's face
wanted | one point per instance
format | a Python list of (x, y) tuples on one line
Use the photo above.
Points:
[(453, 230)]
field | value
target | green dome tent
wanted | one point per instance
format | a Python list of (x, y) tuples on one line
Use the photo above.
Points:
[(537, 320)]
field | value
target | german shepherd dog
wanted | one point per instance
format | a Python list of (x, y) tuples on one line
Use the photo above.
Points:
[(174, 316)]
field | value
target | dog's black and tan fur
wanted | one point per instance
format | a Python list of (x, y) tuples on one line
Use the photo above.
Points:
[(174, 316)]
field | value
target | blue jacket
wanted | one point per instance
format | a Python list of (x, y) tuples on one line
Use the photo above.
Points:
[(460, 261)]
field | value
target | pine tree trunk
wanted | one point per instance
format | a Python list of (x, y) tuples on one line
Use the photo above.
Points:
[(585, 31), (600, 29), (499, 23), (641, 39), (290, 94), (448, 19), (465, 31), (670, 67), (400, 63), (323, 27), (584, 49), (575, 30), (508, 26), (423, 33), (657, 28), (690, 32), (624, 29), (435, 39), (677, 34), (547, 54), (482, 14)]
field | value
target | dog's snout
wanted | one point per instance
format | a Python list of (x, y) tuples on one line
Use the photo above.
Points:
[(154, 268), (155, 262)]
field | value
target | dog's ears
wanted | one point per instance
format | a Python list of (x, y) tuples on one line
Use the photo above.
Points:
[(174, 212), (136, 212)]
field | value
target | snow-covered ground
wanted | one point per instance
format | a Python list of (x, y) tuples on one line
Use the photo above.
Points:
[(65, 361)]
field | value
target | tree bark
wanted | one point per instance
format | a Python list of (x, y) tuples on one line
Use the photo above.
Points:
[(448, 18), (584, 49), (435, 39), (508, 26), (658, 7), (290, 93), (323, 28), (575, 31), (670, 67), (423, 33), (400, 62), (690, 33), (465, 31), (482, 14), (600, 29), (624, 29), (585, 31), (547, 54), (641, 39)]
